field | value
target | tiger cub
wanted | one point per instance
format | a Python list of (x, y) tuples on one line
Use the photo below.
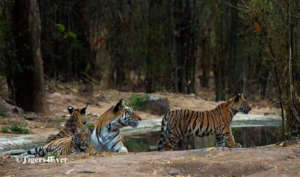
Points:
[(73, 138), (177, 124), (63, 146), (73, 124)]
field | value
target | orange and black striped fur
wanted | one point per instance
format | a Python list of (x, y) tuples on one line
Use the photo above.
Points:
[(178, 124), (106, 134), (79, 142), (73, 138), (72, 125)]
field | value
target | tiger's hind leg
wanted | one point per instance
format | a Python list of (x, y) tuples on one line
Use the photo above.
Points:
[(168, 141), (220, 140), (163, 143)]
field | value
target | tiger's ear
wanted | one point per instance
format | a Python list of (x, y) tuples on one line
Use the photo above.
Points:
[(119, 106), (237, 97), (83, 110), (70, 109)]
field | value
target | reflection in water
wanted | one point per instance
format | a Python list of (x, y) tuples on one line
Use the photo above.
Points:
[(246, 136)]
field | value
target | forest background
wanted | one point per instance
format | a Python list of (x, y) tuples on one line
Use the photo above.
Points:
[(182, 46)]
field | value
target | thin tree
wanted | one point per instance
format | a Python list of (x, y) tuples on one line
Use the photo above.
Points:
[(294, 112)]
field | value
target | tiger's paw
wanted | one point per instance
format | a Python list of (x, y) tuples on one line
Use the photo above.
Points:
[(237, 145), (123, 150)]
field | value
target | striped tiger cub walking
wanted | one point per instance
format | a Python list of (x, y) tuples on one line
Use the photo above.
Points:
[(180, 123)]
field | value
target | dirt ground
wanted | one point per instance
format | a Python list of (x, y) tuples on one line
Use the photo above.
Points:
[(273, 161), (267, 161), (100, 101)]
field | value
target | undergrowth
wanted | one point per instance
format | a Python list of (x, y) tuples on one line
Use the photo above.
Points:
[(137, 101), (17, 128)]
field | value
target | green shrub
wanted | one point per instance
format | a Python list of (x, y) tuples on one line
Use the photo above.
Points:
[(60, 28), (137, 101), (59, 120), (5, 129), (136, 145), (18, 128), (4, 114)]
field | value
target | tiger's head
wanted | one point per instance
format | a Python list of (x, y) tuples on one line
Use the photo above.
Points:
[(130, 118), (77, 118), (239, 104), (118, 111)]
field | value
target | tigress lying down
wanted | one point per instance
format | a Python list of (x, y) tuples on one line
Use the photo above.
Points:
[(106, 134), (73, 138), (180, 123)]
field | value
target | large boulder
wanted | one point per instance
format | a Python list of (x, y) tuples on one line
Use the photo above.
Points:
[(155, 105), (9, 109)]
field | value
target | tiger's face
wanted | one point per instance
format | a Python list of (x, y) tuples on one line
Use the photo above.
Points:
[(78, 114), (240, 104), (130, 118)]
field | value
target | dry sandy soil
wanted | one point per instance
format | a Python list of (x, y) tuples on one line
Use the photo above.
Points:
[(273, 161), (268, 161), (65, 95)]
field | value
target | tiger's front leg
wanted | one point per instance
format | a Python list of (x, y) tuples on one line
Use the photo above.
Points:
[(230, 139), (120, 148)]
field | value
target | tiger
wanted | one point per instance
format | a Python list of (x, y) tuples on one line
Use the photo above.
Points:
[(71, 139), (178, 124), (79, 142), (72, 125), (106, 134)]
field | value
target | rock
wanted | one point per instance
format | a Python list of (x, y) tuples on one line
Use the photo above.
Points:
[(69, 171), (32, 116), (153, 148), (155, 105), (86, 171), (9, 108), (174, 172)]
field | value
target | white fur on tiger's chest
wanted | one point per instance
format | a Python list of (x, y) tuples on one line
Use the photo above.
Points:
[(107, 140), (97, 142)]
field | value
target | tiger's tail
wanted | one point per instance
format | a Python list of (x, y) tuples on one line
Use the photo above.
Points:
[(38, 152), (164, 133)]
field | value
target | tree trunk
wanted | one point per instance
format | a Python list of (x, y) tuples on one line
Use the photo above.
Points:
[(205, 64), (191, 46), (28, 80), (221, 57), (185, 48), (294, 113), (149, 58)]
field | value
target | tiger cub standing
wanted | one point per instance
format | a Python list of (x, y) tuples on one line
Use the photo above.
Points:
[(177, 124)]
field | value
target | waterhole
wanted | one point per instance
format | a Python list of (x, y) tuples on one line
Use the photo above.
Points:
[(246, 136), (247, 133)]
